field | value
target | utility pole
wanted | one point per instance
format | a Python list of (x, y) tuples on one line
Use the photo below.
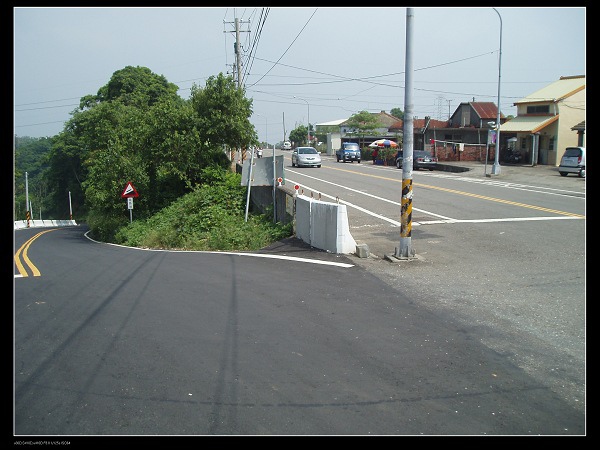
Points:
[(496, 166), (284, 127), (238, 50), (405, 251), (238, 53), (238, 72)]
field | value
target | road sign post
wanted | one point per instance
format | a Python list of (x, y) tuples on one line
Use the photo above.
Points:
[(129, 193)]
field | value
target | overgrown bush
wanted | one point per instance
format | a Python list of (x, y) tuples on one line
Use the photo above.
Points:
[(210, 218)]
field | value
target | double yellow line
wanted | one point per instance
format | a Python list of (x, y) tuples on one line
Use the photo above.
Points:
[(23, 251)]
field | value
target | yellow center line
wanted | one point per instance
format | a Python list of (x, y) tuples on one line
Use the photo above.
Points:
[(468, 194), (23, 250)]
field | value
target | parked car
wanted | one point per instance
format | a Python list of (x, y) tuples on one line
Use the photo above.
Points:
[(350, 151), (573, 161), (422, 159), (306, 156)]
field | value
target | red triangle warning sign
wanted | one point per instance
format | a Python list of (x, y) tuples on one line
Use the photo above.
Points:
[(129, 191)]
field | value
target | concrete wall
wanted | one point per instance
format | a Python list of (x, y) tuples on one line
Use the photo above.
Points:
[(323, 225), (320, 224), (44, 223)]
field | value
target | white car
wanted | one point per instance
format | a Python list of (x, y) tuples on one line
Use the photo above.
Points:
[(573, 161), (306, 157), (287, 145)]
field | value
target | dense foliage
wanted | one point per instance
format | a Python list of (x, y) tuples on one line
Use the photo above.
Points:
[(31, 157), (397, 112), (174, 151), (299, 135)]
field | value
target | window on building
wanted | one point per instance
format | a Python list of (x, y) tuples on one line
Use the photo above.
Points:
[(538, 109), (523, 143), (551, 143)]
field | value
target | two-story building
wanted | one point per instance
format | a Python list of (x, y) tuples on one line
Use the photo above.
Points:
[(468, 127), (546, 121)]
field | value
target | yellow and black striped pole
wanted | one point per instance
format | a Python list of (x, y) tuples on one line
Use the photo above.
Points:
[(27, 205), (406, 209)]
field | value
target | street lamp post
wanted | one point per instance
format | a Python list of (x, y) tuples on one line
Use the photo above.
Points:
[(308, 120), (496, 166)]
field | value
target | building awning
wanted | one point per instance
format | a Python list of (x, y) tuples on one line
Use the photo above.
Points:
[(527, 124)]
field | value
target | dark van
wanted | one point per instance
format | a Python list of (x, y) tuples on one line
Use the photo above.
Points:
[(350, 151)]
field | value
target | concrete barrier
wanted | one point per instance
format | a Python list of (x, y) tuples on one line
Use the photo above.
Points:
[(324, 225), (19, 224)]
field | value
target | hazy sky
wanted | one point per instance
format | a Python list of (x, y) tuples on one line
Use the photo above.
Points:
[(321, 64)]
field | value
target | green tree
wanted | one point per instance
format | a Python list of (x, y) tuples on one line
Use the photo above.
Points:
[(136, 128), (397, 112), (223, 114), (135, 86), (299, 135), (31, 156), (363, 123), (115, 129)]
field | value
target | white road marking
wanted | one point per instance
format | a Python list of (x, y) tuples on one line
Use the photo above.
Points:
[(414, 223), (256, 255)]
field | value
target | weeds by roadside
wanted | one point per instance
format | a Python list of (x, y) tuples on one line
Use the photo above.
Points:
[(210, 218)]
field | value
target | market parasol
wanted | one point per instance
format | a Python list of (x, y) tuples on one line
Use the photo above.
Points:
[(383, 143)]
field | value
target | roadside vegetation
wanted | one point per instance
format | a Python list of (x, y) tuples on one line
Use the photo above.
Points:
[(210, 218), (177, 153)]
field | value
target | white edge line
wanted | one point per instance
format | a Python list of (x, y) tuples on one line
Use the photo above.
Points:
[(257, 255)]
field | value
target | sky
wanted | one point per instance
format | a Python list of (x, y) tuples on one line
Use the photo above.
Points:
[(299, 65)]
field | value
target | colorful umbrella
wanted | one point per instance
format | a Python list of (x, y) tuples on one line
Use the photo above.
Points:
[(383, 143)]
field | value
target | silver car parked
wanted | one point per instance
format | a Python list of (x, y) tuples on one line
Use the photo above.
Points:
[(573, 161), (306, 157)]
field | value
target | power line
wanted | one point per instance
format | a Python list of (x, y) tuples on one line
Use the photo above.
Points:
[(290, 46)]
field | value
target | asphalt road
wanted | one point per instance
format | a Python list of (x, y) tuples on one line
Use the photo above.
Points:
[(122, 342), (526, 308)]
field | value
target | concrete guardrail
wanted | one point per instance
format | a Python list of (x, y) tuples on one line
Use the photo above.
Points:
[(19, 224)]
